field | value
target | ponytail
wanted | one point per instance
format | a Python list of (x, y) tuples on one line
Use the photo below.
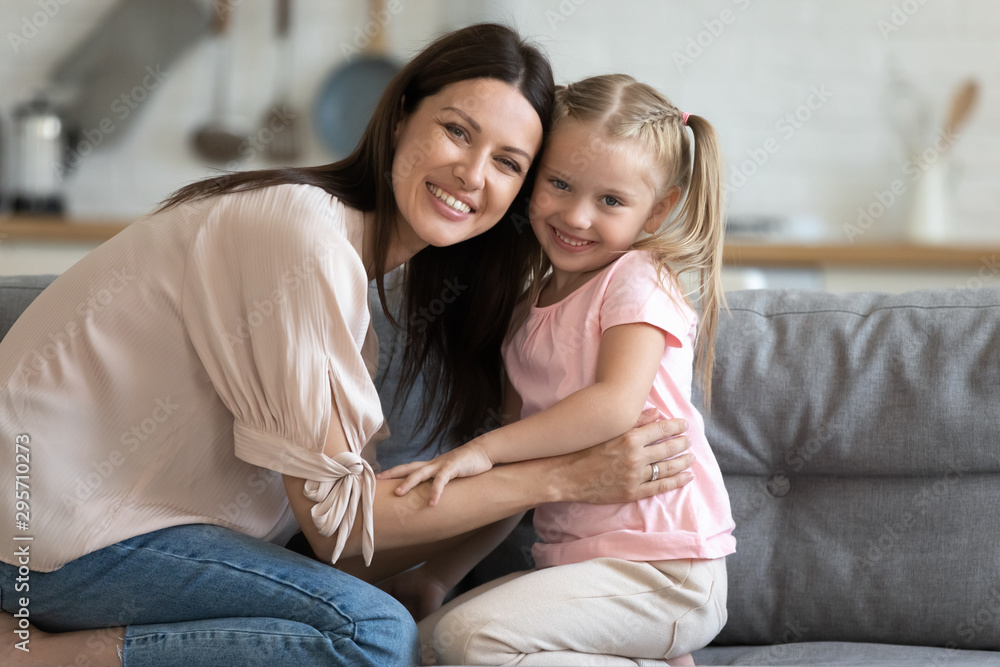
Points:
[(698, 231)]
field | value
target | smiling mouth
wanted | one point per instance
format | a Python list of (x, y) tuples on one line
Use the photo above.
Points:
[(567, 241), (448, 200)]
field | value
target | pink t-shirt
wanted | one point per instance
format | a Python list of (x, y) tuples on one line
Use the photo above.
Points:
[(554, 354)]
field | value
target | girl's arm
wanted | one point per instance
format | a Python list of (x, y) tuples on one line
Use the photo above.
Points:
[(627, 363), (408, 521)]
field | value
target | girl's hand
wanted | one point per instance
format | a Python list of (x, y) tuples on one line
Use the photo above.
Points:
[(418, 590), (619, 470), (466, 461)]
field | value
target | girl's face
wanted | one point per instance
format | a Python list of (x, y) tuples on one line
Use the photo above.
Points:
[(593, 197), (461, 158)]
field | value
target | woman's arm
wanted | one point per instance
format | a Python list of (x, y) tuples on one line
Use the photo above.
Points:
[(613, 472), (403, 521)]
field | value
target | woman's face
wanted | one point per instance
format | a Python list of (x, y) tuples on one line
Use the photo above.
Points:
[(461, 158)]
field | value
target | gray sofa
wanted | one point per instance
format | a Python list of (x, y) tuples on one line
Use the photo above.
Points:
[(859, 436)]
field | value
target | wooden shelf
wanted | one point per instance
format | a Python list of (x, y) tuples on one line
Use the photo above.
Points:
[(870, 255), (40, 228)]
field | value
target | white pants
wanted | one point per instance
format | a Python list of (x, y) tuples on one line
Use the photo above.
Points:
[(604, 611)]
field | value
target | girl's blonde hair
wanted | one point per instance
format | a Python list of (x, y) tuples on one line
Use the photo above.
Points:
[(625, 109)]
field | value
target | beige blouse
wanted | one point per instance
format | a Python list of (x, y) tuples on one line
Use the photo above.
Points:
[(175, 372)]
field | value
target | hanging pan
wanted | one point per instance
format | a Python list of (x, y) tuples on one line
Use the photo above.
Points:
[(350, 93)]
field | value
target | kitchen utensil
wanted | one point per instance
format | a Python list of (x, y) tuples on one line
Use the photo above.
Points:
[(4, 170), (961, 107), (218, 140), (931, 211), (281, 124), (39, 155), (106, 81), (350, 93)]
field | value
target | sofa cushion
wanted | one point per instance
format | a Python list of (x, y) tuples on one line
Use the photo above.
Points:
[(858, 436), (843, 653), (16, 292)]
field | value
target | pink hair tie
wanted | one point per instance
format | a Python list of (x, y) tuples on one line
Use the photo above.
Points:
[(685, 114)]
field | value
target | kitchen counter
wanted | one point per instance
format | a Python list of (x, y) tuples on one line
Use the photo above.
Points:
[(871, 255), (29, 228)]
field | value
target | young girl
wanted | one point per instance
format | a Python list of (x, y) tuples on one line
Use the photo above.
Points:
[(608, 333)]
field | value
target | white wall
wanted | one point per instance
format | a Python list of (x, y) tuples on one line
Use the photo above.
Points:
[(763, 64)]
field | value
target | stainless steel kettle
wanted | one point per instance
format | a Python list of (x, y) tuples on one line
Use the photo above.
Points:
[(38, 158)]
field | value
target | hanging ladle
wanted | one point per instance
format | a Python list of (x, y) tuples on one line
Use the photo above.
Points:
[(216, 141)]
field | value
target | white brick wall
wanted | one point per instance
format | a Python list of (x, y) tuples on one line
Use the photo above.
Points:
[(761, 66)]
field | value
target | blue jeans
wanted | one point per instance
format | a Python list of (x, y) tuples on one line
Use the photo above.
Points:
[(201, 595)]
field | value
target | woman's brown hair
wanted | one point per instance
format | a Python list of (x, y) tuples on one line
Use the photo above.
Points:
[(459, 349)]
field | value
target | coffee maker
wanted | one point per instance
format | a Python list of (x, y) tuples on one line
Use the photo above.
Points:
[(39, 147)]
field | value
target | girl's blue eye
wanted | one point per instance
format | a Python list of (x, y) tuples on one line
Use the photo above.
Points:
[(611, 201), (560, 184)]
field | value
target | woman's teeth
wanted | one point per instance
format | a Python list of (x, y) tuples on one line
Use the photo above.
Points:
[(448, 199), (570, 242)]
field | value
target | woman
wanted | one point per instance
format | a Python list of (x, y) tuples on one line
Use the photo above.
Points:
[(201, 385)]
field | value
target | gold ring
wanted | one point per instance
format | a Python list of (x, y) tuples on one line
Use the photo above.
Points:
[(656, 473)]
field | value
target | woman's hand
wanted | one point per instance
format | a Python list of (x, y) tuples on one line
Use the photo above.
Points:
[(418, 590), (621, 470), (466, 461)]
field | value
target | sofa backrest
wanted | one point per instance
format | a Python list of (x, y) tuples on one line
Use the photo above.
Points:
[(16, 292), (859, 437)]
